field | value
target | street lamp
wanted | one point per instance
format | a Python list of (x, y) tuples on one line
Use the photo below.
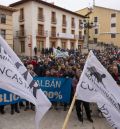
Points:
[(87, 25)]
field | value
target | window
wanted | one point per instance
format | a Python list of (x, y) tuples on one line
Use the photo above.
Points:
[(40, 45), (22, 46), (73, 23), (63, 45), (40, 14), (53, 44), (3, 33), (64, 20), (113, 25), (63, 30), (113, 15), (40, 30), (53, 17), (95, 40), (22, 32), (113, 35), (72, 31), (53, 32), (95, 19), (72, 45), (79, 47), (96, 31), (84, 31), (80, 24), (3, 18), (21, 14), (80, 34)]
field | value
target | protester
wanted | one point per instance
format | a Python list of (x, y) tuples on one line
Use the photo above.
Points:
[(2, 109), (33, 74), (14, 108)]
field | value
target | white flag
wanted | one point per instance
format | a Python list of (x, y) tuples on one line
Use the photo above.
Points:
[(59, 53), (97, 85), (15, 78)]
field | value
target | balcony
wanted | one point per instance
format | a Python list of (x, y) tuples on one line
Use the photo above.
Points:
[(73, 25), (65, 36), (64, 23), (20, 33), (53, 35), (41, 18), (42, 33), (53, 20), (21, 18), (79, 37)]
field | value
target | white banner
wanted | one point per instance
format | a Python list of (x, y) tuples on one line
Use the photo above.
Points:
[(59, 53), (15, 78), (97, 85)]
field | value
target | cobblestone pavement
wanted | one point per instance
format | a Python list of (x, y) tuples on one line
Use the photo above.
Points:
[(52, 120)]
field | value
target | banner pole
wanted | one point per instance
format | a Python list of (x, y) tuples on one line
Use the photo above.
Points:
[(69, 112)]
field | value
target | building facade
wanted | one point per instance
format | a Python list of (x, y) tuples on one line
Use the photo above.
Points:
[(6, 24), (107, 26), (39, 24)]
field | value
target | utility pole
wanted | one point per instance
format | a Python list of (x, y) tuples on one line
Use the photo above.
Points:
[(93, 3), (87, 25)]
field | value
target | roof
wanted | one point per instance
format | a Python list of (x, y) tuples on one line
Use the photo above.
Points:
[(99, 7), (107, 8), (7, 8), (47, 4)]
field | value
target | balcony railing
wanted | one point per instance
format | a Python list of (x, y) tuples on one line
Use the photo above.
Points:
[(65, 36), (21, 18), (53, 20), (79, 37), (64, 23), (53, 34), (42, 33), (20, 33), (73, 25), (41, 18)]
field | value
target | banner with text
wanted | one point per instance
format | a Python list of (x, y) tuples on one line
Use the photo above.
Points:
[(56, 89), (14, 77), (8, 98)]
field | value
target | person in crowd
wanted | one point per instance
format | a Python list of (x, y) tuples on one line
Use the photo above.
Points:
[(2, 111), (79, 110), (14, 108), (33, 74), (115, 74), (21, 104), (80, 103)]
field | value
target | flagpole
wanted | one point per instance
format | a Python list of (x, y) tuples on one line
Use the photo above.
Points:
[(69, 112)]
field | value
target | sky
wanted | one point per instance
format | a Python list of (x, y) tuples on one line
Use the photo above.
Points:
[(75, 5)]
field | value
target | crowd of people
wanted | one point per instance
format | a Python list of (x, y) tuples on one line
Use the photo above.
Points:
[(46, 65)]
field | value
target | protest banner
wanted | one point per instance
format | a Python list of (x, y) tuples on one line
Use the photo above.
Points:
[(7, 98), (59, 53), (56, 89)]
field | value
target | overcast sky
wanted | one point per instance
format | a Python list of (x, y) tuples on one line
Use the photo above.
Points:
[(75, 5)]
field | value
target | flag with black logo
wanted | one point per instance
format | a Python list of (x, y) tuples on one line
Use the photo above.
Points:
[(97, 85)]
